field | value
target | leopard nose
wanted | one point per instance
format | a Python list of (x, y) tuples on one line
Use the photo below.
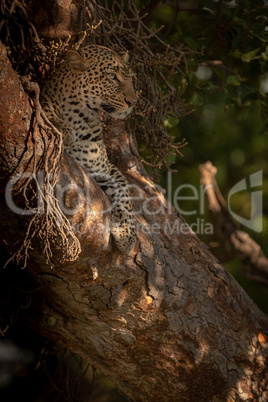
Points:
[(131, 103)]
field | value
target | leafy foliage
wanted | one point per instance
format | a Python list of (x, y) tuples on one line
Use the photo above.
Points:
[(227, 83)]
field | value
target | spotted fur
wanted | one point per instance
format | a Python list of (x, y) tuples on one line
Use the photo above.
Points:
[(90, 82)]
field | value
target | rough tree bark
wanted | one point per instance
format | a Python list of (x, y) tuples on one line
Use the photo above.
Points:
[(167, 322)]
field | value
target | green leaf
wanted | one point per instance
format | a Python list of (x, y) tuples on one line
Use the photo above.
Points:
[(264, 56), (197, 99), (171, 122), (219, 72), (193, 44), (207, 12), (210, 87), (233, 80), (247, 57), (171, 158), (192, 80)]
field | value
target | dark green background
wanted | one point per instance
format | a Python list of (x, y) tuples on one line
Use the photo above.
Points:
[(229, 124)]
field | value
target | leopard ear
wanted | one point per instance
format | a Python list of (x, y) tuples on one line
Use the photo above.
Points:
[(125, 57), (75, 59)]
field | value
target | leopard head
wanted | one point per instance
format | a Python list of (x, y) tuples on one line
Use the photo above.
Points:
[(105, 80)]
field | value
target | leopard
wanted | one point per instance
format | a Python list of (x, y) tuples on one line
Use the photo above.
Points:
[(92, 82)]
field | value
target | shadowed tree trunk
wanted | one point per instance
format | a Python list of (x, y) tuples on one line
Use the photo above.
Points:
[(165, 323)]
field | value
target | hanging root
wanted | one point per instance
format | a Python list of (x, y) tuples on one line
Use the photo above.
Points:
[(50, 227), (55, 233)]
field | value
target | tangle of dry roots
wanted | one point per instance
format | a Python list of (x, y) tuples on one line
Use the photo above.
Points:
[(51, 226)]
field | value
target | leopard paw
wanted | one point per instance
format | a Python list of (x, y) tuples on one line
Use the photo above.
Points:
[(124, 234)]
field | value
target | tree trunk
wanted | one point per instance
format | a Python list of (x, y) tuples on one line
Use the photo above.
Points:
[(167, 322)]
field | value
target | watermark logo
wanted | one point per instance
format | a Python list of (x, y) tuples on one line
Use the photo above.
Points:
[(255, 220), (189, 201)]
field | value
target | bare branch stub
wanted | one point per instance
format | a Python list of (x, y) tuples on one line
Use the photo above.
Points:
[(237, 242)]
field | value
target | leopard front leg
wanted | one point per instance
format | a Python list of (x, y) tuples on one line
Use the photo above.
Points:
[(89, 151), (115, 185)]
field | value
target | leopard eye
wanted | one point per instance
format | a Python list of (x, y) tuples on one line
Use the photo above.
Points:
[(112, 76)]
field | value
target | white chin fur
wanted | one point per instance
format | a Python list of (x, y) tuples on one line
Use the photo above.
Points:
[(121, 115)]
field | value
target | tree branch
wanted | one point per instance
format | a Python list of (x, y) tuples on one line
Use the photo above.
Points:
[(167, 322), (237, 242)]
